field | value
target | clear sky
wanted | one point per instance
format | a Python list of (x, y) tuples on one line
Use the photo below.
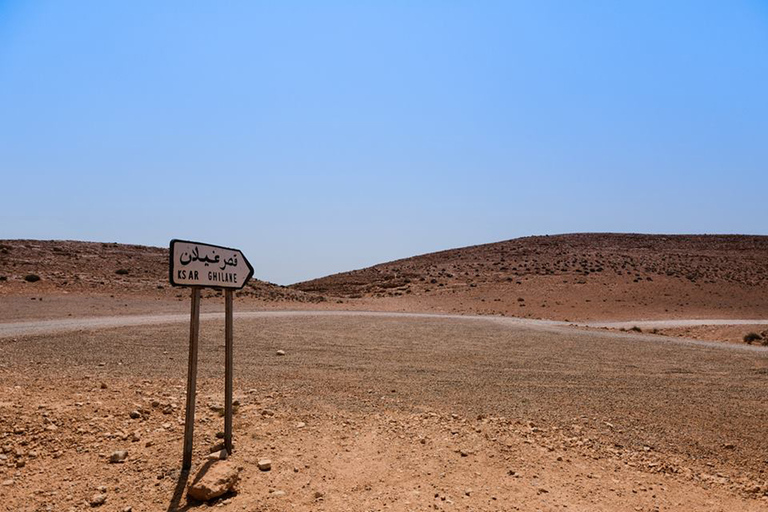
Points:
[(325, 136)]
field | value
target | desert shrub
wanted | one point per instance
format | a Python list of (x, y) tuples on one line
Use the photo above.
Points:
[(31, 278), (122, 271), (752, 337)]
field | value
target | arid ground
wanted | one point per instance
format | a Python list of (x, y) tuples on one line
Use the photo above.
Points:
[(381, 412)]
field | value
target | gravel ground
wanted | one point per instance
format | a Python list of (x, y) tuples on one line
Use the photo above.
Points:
[(596, 419)]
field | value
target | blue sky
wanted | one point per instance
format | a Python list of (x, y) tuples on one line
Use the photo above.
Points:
[(325, 136)]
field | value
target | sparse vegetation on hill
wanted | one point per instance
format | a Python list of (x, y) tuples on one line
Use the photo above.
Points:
[(554, 274), (92, 267)]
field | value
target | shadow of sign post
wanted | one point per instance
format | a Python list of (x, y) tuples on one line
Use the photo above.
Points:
[(199, 265)]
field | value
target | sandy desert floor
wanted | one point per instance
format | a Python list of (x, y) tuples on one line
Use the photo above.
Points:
[(388, 413)]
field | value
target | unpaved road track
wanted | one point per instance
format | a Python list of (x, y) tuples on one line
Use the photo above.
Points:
[(39, 327)]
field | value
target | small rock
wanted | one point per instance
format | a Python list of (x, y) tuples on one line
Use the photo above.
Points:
[(118, 456), (219, 455), (8, 483), (135, 415), (97, 500), (277, 494), (319, 494), (264, 464), (213, 481), (301, 424), (281, 352)]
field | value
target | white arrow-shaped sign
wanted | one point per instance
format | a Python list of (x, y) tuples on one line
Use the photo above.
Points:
[(199, 264)]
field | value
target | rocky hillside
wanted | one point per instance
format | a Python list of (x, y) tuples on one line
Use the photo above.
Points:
[(574, 276), (53, 266)]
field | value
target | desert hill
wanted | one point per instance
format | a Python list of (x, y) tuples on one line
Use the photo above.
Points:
[(563, 277), (56, 266), (575, 276)]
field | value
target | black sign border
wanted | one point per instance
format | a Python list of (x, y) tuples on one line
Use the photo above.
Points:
[(170, 265)]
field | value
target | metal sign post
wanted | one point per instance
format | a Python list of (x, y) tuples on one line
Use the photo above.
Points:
[(228, 364), (189, 415), (201, 265)]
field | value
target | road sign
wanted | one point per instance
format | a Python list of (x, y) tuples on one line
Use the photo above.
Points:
[(198, 264)]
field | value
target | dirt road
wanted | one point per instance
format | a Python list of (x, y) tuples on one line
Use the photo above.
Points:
[(39, 327)]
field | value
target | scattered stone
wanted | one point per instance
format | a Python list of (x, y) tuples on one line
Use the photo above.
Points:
[(277, 494), (97, 500), (319, 494), (219, 455), (118, 456), (281, 352), (213, 481), (8, 483), (135, 415), (301, 424), (264, 464)]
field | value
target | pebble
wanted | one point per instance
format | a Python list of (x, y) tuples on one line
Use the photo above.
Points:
[(281, 352), (97, 500), (264, 464), (135, 415), (219, 455), (118, 456), (8, 483)]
